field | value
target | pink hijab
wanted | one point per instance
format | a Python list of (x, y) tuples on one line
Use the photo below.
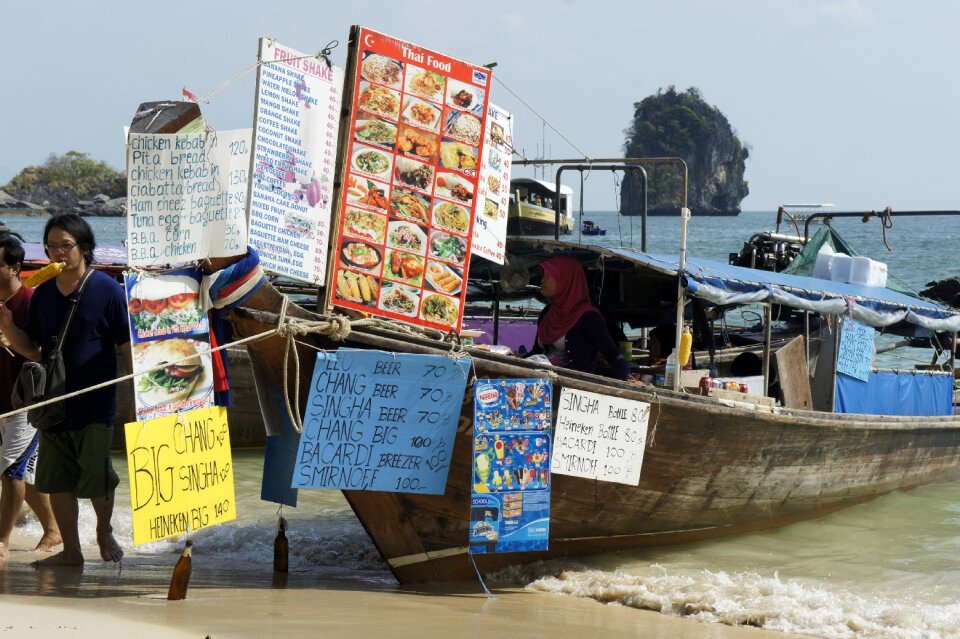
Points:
[(571, 301)]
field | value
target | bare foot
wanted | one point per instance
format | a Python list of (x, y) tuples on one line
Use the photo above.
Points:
[(4, 553), (110, 550), (63, 558), (48, 542)]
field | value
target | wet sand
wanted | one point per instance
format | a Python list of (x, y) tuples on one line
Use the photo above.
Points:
[(229, 601)]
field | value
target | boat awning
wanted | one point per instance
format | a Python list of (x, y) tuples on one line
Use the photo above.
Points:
[(727, 284)]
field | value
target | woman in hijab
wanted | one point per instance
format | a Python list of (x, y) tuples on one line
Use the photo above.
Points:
[(571, 332)]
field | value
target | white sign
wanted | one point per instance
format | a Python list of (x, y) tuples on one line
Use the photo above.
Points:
[(186, 196), (855, 355), (599, 437), (298, 112), (493, 189)]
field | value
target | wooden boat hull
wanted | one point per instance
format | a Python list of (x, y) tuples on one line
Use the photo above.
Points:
[(708, 471)]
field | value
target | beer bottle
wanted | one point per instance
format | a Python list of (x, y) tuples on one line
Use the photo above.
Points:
[(281, 547), (181, 574)]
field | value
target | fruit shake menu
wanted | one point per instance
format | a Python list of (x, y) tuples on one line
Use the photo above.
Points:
[(412, 166), (293, 163)]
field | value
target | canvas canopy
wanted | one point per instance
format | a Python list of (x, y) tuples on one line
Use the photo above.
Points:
[(727, 284)]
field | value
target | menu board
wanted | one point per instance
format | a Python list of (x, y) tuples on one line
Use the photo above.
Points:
[(493, 191), (298, 110), (413, 161)]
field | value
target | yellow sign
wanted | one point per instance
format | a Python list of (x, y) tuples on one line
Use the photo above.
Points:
[(181, 473)]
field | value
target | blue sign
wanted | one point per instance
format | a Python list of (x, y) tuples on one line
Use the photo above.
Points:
[(855, 354), (381, 421), (510, 507)]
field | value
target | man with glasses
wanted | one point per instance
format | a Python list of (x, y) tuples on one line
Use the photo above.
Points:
[(75, 456), (18, 439)]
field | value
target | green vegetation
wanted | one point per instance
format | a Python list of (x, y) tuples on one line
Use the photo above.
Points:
[(671, 124), (73, 172)]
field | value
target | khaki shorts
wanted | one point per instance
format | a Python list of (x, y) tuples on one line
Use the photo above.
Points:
[(77, 461)]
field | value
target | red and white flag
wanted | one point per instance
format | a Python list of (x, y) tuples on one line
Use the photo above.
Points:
[(189, 97)]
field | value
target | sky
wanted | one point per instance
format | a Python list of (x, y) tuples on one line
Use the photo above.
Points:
[(851, 102)]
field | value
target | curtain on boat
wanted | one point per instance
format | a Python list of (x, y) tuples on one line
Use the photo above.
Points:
[(907, 393)]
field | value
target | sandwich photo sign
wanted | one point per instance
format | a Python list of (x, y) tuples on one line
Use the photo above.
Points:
[(170, 338)]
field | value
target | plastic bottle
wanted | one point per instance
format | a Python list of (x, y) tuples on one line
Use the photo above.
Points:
[(181, 574), (670, 373), (686, 347), (281, 547)]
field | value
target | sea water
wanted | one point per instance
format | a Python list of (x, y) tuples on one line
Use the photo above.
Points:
[(889, 568)]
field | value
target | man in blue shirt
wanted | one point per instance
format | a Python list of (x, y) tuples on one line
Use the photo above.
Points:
[(74, 459)]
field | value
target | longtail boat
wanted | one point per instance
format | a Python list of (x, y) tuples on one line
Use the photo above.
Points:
[(711, 467)]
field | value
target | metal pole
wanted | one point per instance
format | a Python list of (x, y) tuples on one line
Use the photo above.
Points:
[(767, 322), (681, 301)]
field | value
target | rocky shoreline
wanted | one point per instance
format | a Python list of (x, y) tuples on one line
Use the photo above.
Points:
[(98, 206)]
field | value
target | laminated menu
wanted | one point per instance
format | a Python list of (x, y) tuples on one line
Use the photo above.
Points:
[(411, 183)]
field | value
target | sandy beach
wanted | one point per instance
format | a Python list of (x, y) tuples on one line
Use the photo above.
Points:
[(229, 601)]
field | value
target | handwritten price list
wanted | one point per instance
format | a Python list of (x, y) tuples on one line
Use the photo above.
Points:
[(380, 421), (855, 354), (186, 196), (298, 106), (181, 473), (600, 437)]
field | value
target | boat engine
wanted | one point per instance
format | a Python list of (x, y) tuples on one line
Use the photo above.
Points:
[(768, 251)]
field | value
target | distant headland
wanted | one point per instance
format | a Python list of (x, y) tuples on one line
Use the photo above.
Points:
[(671, 124), (68, 183)]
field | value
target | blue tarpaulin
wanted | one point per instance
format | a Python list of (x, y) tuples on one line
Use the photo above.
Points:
[(727, 284), (896, 393)]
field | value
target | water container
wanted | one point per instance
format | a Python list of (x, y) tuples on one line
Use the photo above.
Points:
[(821, 267), (670, 373), (859, 269), (878, 274), (840, 268)]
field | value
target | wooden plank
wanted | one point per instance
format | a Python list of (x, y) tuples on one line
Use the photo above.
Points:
[(737, 396), (793, 374)]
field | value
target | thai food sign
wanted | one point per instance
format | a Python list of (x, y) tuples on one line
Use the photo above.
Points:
[(411, 183)]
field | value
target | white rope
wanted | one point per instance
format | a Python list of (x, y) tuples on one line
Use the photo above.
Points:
[(165, 365)]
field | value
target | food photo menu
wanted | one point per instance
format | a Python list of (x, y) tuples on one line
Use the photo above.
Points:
[(403, 242)]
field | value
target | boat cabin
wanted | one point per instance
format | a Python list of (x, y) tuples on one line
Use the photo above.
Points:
[(533, 207)]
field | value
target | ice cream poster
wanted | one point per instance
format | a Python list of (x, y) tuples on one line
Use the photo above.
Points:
[(295, 148), (170, 339), (510, 507)]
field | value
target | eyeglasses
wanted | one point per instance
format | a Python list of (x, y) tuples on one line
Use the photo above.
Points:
[(66, 246)]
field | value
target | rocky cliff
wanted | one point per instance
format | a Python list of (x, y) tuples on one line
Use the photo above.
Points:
[(672, 124)]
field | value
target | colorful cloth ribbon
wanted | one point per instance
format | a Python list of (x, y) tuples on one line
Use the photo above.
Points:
[(221, 292)]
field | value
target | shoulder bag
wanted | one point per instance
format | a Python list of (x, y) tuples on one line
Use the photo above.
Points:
[(38, 382)]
